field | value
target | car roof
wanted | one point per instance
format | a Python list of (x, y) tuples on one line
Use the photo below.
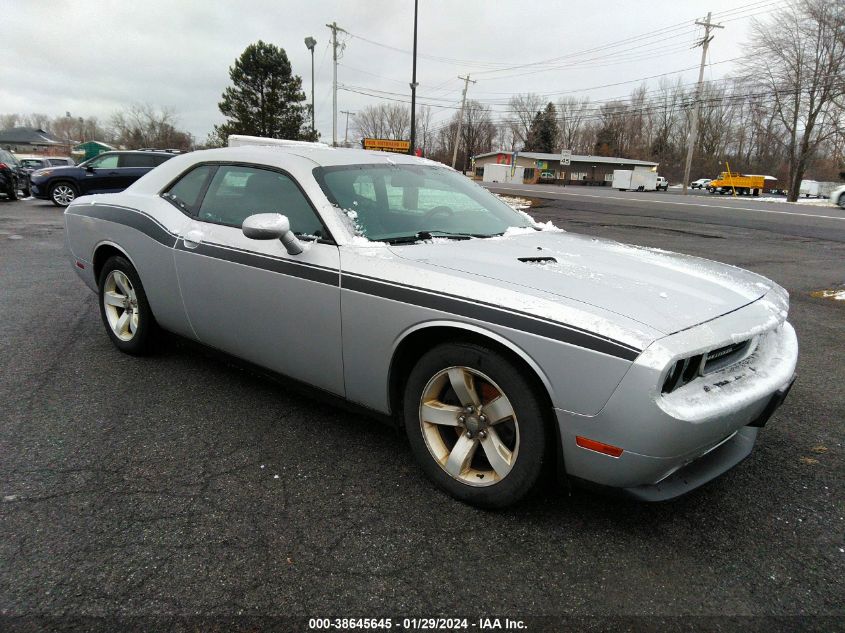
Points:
[(298, 160)]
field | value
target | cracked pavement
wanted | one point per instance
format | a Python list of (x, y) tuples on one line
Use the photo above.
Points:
[(182, 485)]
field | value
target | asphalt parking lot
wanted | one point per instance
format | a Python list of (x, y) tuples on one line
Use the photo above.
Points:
[(181, 485)]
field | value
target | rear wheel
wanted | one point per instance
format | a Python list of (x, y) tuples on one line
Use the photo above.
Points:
[(124, 308), (841, 201), (63, 193), (475, 425)]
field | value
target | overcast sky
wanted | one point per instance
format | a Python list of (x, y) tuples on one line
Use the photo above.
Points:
[(91, 58)]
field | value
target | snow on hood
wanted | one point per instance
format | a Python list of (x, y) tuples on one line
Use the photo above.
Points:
[(664, 291)]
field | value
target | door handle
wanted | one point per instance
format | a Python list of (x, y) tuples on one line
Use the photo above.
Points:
[(192, 238)]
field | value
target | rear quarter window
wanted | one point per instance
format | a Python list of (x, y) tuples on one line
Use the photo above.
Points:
[(138, 160)]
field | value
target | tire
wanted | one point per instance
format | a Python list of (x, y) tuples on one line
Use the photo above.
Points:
[(12, 192), (124, 308), (63, 193), (519, 430), (841, 201)]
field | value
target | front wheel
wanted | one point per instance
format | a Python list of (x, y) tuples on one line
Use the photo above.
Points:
[(841, 201), (124, 307), (63, 193), (475, 425)]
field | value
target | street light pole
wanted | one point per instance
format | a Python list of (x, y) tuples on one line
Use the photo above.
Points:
[(310, 42), (412, 146)]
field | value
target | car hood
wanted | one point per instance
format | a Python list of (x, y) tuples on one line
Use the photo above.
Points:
[(64, 169), (666, 291)]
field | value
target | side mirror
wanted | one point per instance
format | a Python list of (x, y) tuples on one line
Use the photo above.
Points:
[(271, 226), (89, 168)]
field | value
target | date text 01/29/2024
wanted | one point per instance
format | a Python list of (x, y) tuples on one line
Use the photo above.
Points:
[(415, 624)]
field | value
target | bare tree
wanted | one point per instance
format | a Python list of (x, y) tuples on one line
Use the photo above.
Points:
[(425, 133), (8, 121), (386, 120), (522, 110), (572, 114), (799, 58), (143, 125), (398, 118), (370, 122), (478, 131)]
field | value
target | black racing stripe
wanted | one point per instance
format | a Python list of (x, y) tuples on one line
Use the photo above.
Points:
[(513, 320), (128, 217), (285, 267)]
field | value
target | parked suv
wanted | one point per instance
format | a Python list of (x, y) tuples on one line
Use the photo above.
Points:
[(662, 183), (701, 183), (11, 176), (109, 172)]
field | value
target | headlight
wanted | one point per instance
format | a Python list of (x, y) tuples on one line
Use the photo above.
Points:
[(41, 172)]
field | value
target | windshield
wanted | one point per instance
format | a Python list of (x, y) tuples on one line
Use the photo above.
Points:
[(408, 202)]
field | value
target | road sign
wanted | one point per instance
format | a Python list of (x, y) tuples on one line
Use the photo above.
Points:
[(565, 157), (386, 145)]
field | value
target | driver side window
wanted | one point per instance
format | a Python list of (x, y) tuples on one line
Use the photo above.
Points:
[(105, 162), (237, 192)]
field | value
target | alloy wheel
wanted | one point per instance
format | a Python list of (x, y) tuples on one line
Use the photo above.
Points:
[(462, 410), (63, 194), (121, 305)]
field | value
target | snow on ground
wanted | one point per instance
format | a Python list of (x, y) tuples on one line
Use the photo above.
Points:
[(837, 295), (518, 204), (813, 202)]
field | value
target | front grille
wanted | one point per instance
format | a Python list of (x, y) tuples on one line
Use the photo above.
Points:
[(686, 370), (724, 356)]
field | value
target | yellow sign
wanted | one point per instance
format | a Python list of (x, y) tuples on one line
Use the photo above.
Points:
[(387, 145)]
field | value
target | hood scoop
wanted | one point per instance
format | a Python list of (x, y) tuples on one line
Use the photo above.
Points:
[(537, 260)]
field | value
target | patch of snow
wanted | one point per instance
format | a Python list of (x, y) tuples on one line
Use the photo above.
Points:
[(517, 204), (663, 295), (836, 295), (813, 202), (363, 242), (742, 384)]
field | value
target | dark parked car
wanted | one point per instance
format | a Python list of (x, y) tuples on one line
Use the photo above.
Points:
[(109, 172), (30, 163), (11, 176)]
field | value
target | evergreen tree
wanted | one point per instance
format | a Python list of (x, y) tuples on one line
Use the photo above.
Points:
[(265, 98), (543, 133)]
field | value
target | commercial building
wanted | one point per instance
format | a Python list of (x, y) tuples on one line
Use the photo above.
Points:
[(541, 167)]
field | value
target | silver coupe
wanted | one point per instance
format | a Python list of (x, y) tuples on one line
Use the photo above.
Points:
[(506, 348)]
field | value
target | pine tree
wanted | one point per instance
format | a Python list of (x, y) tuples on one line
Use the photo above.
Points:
[(265, 98), (543, 133)]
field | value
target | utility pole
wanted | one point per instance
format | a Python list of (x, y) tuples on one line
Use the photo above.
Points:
[(334, 28), (346, 133), (412, 146), (467, 81), (693, 134)]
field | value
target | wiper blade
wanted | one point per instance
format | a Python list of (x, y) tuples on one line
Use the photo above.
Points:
[(427, 235)]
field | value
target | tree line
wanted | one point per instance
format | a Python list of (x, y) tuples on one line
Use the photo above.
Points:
[(782, 113), (134, 127)]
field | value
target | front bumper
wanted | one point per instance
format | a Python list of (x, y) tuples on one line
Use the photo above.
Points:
[(673, 443), (39, 190)]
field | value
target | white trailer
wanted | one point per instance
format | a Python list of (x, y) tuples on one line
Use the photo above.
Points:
[(816, 189), (637, 179), (503, 173)]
